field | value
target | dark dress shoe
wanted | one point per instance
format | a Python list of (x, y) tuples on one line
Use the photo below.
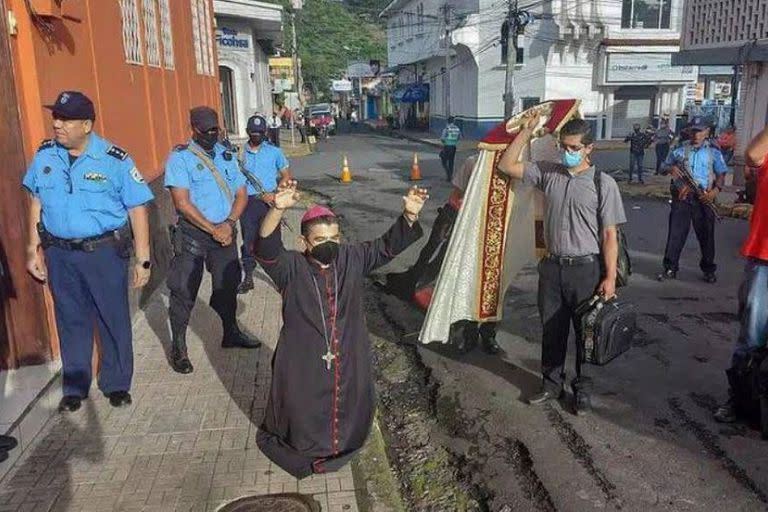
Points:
[(710, 277), (3, 455), (468, 340), (726, 413), (489, 345), (245, 285), (70, 403), (667, 275), (8, 443), (181, 363), (543, 397), (581, 403), (239, 339), (119, 398)]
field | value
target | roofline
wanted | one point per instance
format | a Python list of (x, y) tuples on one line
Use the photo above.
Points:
[(391, 6), (721, 56)]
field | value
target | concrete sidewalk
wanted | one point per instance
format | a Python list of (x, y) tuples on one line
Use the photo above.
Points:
[(188, 441)]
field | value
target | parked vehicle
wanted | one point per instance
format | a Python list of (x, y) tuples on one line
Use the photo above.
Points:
[(321, 122)]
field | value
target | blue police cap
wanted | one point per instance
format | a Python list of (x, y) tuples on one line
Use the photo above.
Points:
[(256, 124), (73, 105), (699, 123), (203, 118)]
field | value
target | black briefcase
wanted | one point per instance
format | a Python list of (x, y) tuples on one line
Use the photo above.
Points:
[(748, 378), (608, 328)]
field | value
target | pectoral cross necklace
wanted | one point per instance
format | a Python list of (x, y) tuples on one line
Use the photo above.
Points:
[(329, 356)]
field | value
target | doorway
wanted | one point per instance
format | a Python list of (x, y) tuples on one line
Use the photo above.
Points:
[(227, 91)]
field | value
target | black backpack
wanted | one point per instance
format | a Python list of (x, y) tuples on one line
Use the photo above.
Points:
[(748, 378), (623, 264)]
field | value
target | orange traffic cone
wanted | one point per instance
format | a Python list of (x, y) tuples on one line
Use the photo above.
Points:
[(415, 170), (346, 175)]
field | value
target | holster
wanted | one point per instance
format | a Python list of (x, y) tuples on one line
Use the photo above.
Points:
[(183, 243)]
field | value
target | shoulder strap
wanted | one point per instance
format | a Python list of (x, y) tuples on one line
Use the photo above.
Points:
[(252, 179), (599, 190), (216, 174)]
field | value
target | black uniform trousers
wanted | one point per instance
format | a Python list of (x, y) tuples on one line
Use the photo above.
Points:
[(250, 224), (562, 288), (447, 157), (683, 214), (194, 249)]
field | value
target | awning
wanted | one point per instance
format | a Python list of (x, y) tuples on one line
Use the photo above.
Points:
[(413, 93)]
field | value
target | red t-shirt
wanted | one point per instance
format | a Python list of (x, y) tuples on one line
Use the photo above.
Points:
[(756, 245)]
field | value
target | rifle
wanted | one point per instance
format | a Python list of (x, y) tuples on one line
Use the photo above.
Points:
[(687, 177)]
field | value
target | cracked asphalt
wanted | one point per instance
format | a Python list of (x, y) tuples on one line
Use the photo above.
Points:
[(650, 443)]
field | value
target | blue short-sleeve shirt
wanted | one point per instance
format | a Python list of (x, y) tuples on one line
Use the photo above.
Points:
[(265, 163), (185, 170), (700, 161), (89, 196)]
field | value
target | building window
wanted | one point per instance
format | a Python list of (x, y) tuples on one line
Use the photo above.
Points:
[(648, 14), (150, 33), (201, 36), (167, 34), (131, 35)]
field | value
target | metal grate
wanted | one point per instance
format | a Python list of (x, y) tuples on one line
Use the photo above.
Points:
[(196, 35), (150, 32), (711, 23), (131, 32), (167, 34)]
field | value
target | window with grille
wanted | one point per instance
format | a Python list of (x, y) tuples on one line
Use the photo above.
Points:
[(196, 41), (150, 32), (208, 38), (648, 14), (167, 34), (202, 37), (129, 10), (729, 22)]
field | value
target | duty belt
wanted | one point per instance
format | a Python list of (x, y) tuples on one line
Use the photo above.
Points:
[(89, 244), (570, 261)]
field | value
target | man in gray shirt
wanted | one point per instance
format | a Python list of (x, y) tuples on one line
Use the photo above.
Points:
[(580, 260)]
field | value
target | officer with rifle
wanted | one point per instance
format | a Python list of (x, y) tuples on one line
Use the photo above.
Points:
[(263, 166), (698, 175)]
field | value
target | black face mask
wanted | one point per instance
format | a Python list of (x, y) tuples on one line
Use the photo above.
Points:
[(325, 252), (256, 138), (206, 140)]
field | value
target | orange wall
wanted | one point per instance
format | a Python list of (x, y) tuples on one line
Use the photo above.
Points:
[(141, 108)]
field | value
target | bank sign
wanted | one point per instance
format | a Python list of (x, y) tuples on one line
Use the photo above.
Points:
[(232, 39), (646, 67)]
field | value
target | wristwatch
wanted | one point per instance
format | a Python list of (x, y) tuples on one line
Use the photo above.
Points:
[(146, 264), (231, 222)]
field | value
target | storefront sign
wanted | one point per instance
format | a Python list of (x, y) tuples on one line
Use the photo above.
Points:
[(646, 67), (228, 38), (342, 86)]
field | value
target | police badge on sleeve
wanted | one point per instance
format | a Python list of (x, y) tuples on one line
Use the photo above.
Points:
[(136, 175)]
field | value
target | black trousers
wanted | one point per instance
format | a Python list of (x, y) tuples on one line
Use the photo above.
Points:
[(662, 150), (250, 223), (562, 288), (194, 250), (683, 214), (447, 157)]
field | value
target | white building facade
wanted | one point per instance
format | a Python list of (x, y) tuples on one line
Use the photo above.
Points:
[(732, 32), (244, 30), (615, 56)]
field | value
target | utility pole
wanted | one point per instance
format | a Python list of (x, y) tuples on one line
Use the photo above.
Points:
[(447, 76), (295, 77), (516, 22)]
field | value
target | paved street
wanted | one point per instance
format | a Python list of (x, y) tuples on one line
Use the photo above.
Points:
[(188, 442), (651, 443)]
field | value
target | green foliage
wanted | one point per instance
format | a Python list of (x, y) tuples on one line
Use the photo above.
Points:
[(324, 28)]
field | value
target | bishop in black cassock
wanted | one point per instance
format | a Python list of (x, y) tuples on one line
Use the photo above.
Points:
[(322, 399)]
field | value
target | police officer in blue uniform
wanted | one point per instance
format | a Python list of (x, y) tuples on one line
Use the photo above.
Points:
[(706, 165), (88, 214), (263, 164), (209, 194)]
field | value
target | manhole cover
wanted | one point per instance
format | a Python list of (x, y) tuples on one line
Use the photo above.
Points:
[(273, 503)]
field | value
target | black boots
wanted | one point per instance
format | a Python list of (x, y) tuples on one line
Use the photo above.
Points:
[(246, 284), (237, 338), (472, 335)]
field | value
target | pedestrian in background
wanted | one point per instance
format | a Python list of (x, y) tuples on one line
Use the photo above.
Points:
[(88, 214), (264, 165), (274, 124), (208, 192), (662, 137), (753, 293), (582, 260), (450, 139), (727, 143), (638, 141), (705, 164)]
